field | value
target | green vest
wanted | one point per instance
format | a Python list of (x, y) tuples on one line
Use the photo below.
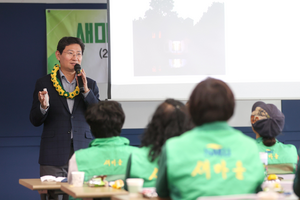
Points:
[(105, 156), (211, 160), (141, 167), (282, 158)]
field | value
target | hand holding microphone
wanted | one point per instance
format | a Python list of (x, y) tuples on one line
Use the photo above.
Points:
[(77, 68)]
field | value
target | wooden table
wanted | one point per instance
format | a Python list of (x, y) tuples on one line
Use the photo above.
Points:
[(41, 187), (88, 193), (126, 197)]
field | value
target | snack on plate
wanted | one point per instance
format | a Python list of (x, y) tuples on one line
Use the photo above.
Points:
[(118, 184), (272, 184), (97, 181), (149, 192), (272, 177)]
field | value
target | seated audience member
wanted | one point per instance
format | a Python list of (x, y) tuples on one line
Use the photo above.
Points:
[(296, 185), (267, 123), (108, 153), (213, 158), (170, 119)]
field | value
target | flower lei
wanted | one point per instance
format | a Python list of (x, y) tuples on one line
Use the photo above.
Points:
[(57, 85)]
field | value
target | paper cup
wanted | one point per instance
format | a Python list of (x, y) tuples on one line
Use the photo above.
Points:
[(263, 157), (77, 179), (135, 186)]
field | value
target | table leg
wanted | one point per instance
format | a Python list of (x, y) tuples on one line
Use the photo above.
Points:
[(43, 194)]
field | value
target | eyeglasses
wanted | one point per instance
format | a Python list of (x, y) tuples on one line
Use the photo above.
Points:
[(72, 53)]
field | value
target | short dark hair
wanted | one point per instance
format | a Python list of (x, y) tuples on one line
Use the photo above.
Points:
[(211, 100), (105, 118), (66, 41), (169, 119)]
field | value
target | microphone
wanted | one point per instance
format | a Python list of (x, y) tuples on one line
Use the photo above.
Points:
[(77, 68)]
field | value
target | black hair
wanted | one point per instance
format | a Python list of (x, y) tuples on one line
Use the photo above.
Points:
[(269, 141), (169, 119), (66, 41), (106, 119)]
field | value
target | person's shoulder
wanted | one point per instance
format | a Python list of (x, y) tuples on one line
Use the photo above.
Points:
[(133, 149), (91, 83), (82, 151), (90, 79), (126, 143), (181, 138), (44, 78), (287, 146), (141, 151), (243, 136), (245, 141)]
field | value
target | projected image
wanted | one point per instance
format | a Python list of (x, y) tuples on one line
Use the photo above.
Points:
[(165, 43), (163, 48)]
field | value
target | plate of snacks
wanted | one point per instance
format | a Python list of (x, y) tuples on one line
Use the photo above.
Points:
[(272, 184), (97, 181)]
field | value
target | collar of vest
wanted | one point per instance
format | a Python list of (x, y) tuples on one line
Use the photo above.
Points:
[(223, 125), (117, 140), (260, 140)]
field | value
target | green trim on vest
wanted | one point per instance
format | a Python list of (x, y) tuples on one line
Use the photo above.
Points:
[(211, 160), (141, 167), (105, 156), (282, 158)]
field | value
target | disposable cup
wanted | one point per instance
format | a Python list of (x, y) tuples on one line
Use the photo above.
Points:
[(77, 179), (135, 186), (263, 157)]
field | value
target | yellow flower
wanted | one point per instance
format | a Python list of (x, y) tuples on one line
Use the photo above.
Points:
[(59, 88)]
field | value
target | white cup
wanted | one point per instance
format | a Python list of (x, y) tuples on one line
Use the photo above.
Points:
[(263, 157), (135, 186), (77, 179)]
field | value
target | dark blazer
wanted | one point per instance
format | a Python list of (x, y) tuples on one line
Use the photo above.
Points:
[(58, 122)]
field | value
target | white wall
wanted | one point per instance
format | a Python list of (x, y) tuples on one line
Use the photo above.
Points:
[(138, 113), (53, 1)]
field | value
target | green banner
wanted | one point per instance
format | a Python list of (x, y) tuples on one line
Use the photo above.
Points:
[(88, 25)]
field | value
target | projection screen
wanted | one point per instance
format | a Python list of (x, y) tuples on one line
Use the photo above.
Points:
[(162, 48)]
